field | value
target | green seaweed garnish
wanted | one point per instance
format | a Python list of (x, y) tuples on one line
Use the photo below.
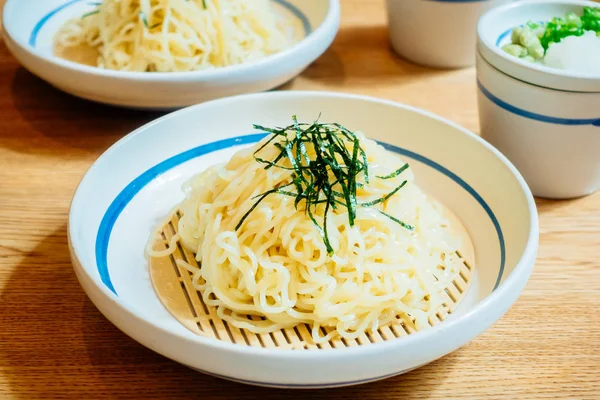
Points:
[(88, 14), (144, 19), (395, 173), (384, 198), (329, 177), (396, 220)]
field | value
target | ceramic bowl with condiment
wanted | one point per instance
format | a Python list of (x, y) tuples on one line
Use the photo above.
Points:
[(546, 120), (436, 33)]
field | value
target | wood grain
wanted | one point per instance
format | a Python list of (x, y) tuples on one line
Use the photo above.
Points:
[(55, 345)]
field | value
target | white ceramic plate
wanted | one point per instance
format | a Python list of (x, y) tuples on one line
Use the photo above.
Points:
[(30, 26), (136, 182)]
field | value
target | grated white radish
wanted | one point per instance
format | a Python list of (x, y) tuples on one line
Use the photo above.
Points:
[(575, 53)]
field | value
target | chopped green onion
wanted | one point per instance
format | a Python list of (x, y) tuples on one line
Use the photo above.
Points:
[(532, 40), (571, 25)]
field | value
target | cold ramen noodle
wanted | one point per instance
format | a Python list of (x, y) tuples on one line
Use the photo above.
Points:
[(317, 225), (174, 36)]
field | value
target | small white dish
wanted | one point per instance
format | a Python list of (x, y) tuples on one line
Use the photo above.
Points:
[(436, 33), (494, 31), (113, 214), (30, 27), (545, 120)]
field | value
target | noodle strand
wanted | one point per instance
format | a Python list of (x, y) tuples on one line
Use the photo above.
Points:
[(276, 265), (176, 35)]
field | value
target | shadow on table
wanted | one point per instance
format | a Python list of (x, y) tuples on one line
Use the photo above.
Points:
[(55, 344), (552, 205), (53, 123), (362, 55)]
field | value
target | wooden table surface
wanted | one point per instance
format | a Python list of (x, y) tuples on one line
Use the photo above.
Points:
[(55, 344)]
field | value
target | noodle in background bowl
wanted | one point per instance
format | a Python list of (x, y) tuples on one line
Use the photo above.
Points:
[(113, 215), (30, 27)]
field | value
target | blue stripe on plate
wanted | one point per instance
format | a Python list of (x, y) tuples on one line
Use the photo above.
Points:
[(538, 117), (38, 27), (457, 179), (503, 36), (120, 202), (298, 14)]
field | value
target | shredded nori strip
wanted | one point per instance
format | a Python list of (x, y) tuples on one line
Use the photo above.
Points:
[(89, 14), (395, 173), (144, 19), (329, 178)]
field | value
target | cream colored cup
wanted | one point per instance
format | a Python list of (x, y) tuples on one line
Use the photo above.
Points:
[(437, 33)]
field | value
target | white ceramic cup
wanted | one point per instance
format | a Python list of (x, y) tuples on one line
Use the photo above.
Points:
[(546, 121), (437, 33)]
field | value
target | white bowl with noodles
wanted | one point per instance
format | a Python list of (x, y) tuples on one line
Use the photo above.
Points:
[(109, 229), (30, 28)]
